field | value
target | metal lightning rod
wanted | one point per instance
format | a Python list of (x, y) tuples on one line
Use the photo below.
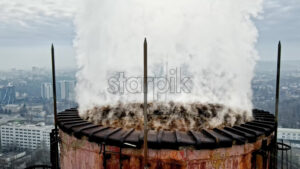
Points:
[(55, 109), (145, 106), (54, 87), (277, 86), (277, 98)]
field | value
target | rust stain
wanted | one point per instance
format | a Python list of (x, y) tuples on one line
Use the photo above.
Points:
[(82, 154), (203, 165), (259, 162)]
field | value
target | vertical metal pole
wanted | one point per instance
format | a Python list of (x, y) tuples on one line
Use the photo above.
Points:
[(291, 155), (54, 87), (281, 154), (145, 106), (277, 87), (54, 108), (277, 98), (287, 159)]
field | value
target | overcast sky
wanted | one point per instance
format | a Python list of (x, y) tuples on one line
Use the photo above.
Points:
[(28, 29)]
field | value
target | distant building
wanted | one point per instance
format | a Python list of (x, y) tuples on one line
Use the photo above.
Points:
[(46, 90), (64, 90), (67, 90), (291, 135), (12, 160), (288, 134), (35, 108), (25, 136), (12, 108), (7, 94)]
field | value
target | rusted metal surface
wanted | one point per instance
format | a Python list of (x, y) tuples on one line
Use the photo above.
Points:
[(82, 154), (85, 145)]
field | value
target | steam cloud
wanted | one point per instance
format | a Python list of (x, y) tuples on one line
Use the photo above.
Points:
[(213, 39)]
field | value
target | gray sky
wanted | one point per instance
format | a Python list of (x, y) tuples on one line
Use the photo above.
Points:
[(280, 21), (28, 29)]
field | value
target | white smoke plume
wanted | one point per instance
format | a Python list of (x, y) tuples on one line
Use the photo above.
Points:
[(213, 39)]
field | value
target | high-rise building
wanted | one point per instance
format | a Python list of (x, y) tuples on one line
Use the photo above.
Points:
[(64, 90), (67, 90), (2, 92), (58, 90), (46, 90), (7, 94), (25, 136)]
